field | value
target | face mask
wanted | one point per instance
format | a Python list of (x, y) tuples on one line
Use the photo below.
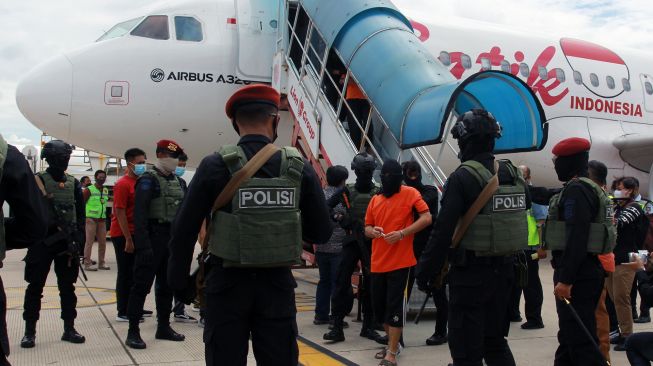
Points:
[(415, 183), (101, 181), (619, 195), (179, 171), (167, 164), (59, 163), (139, 169)]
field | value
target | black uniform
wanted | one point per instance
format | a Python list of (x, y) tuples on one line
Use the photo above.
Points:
[(28, 224), (150, 255), (430, 196), (66, 265), (241, 302), (574, 266), (479, 287)]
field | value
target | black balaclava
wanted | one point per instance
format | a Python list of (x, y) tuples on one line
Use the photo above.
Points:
[(364, 182), (413, 166), (474, 146), (57, 165), (391, 178), (568, 167)]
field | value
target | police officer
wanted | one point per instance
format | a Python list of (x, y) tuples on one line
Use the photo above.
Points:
[(66, 215), (412, 173), (158, 194), (578, 227), (481, 274), (356, 247), (27, 225), (254, 237)]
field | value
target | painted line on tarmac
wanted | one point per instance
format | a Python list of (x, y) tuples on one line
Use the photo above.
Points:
[(312, 354)]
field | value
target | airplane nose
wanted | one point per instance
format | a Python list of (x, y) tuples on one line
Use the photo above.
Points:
[(44, 96)]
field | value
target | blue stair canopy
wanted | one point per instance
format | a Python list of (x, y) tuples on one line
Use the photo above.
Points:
[(411, 89)]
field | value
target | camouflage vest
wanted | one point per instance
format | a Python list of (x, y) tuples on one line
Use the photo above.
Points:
[(61, 197), (603, 233), (264, 226), (359, 201), (501, 228), (164, 207)]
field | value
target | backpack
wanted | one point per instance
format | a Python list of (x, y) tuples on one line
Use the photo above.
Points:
[(643, 227)]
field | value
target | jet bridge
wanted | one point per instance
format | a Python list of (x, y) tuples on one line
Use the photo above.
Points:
[(409, 98)]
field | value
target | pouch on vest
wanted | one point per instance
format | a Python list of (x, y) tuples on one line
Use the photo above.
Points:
[(164, 207), (264, 226), (501, 227), (602, 235)]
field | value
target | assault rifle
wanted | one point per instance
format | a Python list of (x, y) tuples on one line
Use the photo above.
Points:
[(68, 233)]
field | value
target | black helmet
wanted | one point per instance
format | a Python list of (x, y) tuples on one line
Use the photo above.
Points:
[(56, 149), (363, 162), (477, 122)]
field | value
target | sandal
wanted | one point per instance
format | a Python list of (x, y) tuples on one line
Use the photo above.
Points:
[(103, 267), (381, 354), (385, 362)]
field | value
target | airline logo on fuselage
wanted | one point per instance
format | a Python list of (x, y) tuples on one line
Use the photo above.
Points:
[(593, 60)]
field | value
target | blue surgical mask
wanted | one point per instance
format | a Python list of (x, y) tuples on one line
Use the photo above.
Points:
[(139, 169), (179, 171)]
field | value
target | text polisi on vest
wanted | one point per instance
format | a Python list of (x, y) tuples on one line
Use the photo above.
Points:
[(509, 202), (266, 197)]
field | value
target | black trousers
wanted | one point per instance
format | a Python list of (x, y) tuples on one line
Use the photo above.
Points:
[(125, 277), (4, 337), (533, 293), (575, 348), (250, 303), (478, 301), (146, 270), (37, 266), (342, 295)]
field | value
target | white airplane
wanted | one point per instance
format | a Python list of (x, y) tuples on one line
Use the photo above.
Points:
[(169, 72)]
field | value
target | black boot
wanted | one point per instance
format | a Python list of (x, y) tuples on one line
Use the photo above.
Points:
[(167, 333), (436, 339), (370, 334), (29, 339), (336, 334), (134, 339), (70, 334)]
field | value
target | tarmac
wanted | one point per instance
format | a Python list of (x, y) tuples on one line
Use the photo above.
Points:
[(105, 337)]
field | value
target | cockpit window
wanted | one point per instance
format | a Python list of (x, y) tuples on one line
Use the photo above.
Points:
[(154, 26), (120, 29), (188, 29)]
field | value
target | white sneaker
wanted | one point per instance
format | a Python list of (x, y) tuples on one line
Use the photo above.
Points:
[(125, 318), (184, 318), (195, 307)]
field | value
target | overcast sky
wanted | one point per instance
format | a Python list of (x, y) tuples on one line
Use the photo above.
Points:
[(34, 30)]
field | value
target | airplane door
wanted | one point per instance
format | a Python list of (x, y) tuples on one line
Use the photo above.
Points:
[(257, 32), (647, 86)]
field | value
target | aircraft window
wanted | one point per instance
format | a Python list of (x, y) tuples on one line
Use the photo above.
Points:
[(594, 79), (188, 29), (610, 80), (578, 77), (505, 66), (445, 58), (649, 88), (485, 63), (120, 29), (466, 61), (544, 75), (626, 84), (560, 75), (154, 26), (524, 70)]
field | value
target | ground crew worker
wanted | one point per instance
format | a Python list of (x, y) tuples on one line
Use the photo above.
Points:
[(413, 178), (356, 248), (390, 223), (96, 197), (158, 194), (481, 274), (579, 227), (249, 285), (62, 245), (28, 224), (533, 294)]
